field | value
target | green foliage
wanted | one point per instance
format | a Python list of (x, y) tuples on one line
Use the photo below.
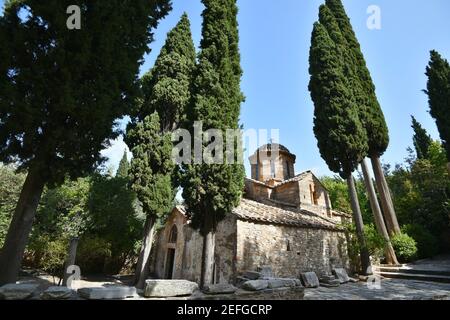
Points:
[(152, 167), (421, 194), (114, 216), (48, 253), (422, 140), (64, 210), (62, 90), (211, 191), (124, 167), (10, 186), (427, 244), (374, 241), (167, 86), (342, 140), (438, 90), (363, 89), (405, 247), (93, 254)]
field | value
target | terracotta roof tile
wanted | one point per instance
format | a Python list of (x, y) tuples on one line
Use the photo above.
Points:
[(258, 212)]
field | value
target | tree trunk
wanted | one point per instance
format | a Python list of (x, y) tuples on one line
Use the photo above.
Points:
[(209, 240), (71, 256), (385, 197), (143, 264), (11, 254), (389, 252), (357, 217)]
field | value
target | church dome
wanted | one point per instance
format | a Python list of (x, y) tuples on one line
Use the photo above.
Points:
[(272, 161), (273, 146)]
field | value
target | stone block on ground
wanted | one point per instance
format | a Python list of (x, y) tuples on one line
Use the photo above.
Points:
[(56, 293), (310, 279), (253, 275), (266, 272), (341, 275), (224, 288), (169, 288), (255, 285), (282, 283), (18, 291), (111, 292)]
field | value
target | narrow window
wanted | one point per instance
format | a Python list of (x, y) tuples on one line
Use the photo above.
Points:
[(272, 168), (288, 170), (173, 235)]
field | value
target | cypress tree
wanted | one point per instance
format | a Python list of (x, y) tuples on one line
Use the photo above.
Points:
[(327, 19), (422, 140), (212, 190), (124, 166), (167, 86), (341, 138), (61, 91), (166, 94), (370, 112), (438, 90), (151, 175)]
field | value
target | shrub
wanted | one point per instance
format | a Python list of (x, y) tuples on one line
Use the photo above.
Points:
[(92, 254), (405, 247), (427, 243), (47, 254), (375, 242)]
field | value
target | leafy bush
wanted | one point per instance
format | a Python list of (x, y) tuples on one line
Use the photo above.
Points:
[(47, 254), (92, 254), (427, 243), (405, 247), (375, 244)]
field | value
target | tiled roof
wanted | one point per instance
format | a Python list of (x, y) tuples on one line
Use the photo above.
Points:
[(298, 177), (258, 212)]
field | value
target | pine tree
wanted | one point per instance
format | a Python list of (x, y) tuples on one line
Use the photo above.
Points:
[(422, 140), (370, 111), (438, 90), (166, 94), (341, 138), (212, 190), (124, 166), (62, 90), (151, 175)]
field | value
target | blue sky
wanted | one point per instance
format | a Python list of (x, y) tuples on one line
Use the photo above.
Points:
[(275, 40)]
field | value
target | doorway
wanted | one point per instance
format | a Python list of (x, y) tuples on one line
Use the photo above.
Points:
[(170, 263)]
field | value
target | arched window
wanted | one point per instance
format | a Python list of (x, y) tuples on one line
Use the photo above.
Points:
[(173, 235)]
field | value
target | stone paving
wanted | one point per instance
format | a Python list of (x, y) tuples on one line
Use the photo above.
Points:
[(390, 289)]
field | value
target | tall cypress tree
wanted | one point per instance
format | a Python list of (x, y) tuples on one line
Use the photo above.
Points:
[(370, 112), (341, 138), (212, 190), (151, 175), (422, 140), (61, 91), (166, 95), (124, 166), (438, 90), (167, 87), (327, 19)]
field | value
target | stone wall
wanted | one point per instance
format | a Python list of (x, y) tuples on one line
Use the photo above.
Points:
[(289, 250), (288, 192), (188, 252), (161, 247), (311, 189)]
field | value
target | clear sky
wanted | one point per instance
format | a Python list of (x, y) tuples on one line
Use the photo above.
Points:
[(274, 42)]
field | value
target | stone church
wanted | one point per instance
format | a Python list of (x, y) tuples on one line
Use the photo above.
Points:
[(284, 221)]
